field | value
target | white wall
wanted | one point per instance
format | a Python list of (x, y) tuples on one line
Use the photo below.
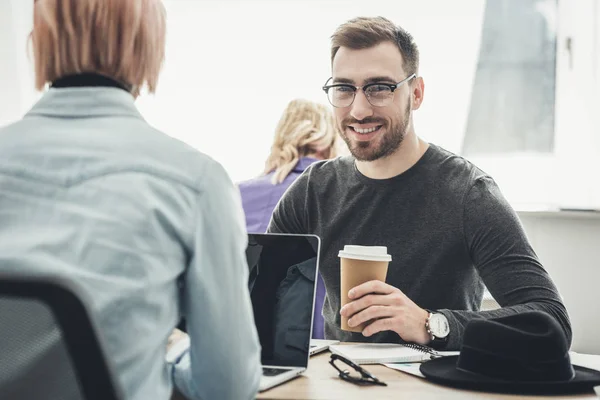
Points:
[(596, 71), (568, 177), (232, 66), (16, 71), (567, 245), (10, 94), (577, 124), (275, 51)]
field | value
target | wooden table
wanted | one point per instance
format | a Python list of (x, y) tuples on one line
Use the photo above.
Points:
[(321, 381)]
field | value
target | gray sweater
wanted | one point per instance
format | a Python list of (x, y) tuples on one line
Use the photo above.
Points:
[(445, 223)]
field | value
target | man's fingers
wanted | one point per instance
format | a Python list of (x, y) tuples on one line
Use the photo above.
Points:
[(380, 325), (370, 287), (366, 301), (371, 313)]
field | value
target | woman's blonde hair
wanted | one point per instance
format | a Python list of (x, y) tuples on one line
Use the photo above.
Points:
[(305, 128), (122, 39)]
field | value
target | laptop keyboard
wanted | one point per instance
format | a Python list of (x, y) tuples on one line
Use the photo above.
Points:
[(273, 371)]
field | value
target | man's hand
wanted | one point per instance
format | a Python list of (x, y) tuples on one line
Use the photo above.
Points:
[(389, 310)]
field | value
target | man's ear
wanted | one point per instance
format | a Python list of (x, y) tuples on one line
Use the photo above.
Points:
[(418, 91)]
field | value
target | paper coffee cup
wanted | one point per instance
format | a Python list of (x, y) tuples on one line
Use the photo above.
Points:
[(360, 264)]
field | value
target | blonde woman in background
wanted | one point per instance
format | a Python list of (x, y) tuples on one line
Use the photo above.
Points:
[(151, 229), (306, 133)]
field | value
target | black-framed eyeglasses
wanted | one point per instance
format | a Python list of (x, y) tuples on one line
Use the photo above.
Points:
[(359, 376), (378, 94)]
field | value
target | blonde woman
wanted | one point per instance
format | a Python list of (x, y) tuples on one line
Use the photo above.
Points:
[(306, 133), (150, 228)]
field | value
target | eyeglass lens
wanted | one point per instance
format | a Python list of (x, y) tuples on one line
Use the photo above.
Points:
[(343, 96)]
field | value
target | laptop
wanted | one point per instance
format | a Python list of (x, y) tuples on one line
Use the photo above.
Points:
[(319, 345), (282, 282)]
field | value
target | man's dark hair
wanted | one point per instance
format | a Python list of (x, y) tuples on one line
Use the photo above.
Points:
[(364, 32)]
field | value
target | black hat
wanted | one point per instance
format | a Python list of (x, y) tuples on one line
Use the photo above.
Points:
[(525, 353)]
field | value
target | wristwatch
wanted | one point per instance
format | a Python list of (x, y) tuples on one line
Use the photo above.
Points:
[(437, 327)]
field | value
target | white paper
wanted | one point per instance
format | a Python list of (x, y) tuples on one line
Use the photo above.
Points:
[(585, 360), (379, 353), (409, 368), (413, 368), (448, 353)]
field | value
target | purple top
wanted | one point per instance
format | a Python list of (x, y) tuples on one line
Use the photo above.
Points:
[(259, 198)]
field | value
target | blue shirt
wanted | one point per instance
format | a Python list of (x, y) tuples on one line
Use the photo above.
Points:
[(150, 228), (260, 196)]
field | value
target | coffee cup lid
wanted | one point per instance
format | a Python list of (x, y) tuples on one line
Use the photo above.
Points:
[(366, 253)]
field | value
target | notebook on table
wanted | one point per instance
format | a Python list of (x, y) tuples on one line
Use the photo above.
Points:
[(384, 353)]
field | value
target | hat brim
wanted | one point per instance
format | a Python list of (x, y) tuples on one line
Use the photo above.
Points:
[(443, 371)]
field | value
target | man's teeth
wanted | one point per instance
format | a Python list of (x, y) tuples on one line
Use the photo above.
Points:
[(366, 130)]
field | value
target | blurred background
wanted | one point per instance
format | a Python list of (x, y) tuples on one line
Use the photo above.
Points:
[(511, 84)]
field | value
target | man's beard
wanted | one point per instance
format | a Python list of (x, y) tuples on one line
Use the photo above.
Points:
[(389, 142)]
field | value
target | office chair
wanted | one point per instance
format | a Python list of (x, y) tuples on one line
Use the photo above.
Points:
[(49, 347)]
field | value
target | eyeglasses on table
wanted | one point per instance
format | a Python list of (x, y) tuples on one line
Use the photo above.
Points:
[(359, 376)]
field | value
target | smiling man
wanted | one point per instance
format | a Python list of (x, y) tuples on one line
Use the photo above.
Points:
[(445, 222)]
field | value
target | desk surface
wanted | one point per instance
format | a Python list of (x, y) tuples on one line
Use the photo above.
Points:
[(320, 381)]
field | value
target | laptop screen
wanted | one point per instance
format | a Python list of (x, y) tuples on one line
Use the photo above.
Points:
[(283, 271)]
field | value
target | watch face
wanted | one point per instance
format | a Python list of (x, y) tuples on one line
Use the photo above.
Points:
[(438, 324)]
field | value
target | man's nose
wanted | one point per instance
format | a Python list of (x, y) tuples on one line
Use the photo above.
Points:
[(361, 108)]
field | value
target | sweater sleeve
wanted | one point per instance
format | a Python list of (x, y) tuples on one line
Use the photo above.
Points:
[(506, 262), (290, 215)]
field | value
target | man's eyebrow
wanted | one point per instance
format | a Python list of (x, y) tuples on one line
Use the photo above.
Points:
[(375, 79), (343, 80)]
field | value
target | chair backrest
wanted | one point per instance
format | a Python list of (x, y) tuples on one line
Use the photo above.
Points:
[(49, 347)]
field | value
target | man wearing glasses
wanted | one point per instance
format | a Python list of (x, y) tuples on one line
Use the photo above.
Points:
[(445, 222)]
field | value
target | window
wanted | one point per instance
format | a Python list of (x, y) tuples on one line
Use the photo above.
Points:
[(564, 177), (513, 95)]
